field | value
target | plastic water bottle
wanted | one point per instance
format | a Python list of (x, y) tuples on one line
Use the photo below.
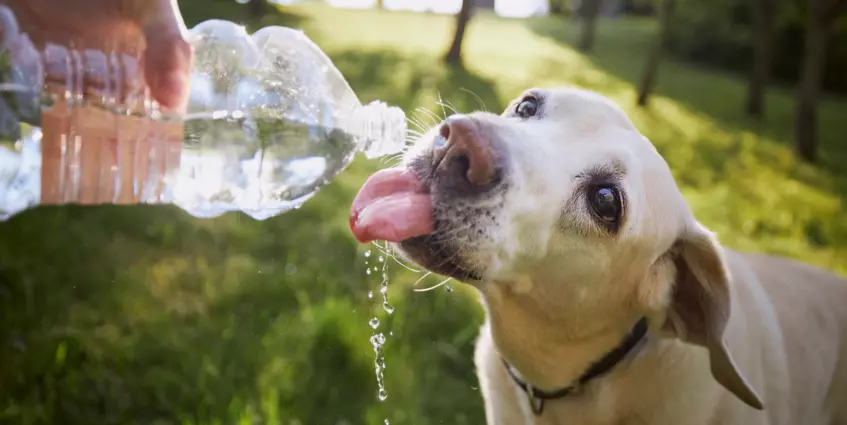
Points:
[(269, 121)]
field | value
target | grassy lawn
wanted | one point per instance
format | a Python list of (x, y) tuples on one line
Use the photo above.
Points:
[(146, 316)]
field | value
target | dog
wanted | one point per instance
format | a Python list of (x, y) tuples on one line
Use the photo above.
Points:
[(606, 301)]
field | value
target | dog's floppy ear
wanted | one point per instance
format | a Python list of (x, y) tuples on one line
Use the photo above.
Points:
[(701, 305)]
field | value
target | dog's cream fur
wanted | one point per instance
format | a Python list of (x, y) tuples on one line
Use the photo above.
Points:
[(729, 332)]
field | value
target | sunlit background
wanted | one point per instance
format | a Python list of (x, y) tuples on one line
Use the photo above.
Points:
[(145, 315)]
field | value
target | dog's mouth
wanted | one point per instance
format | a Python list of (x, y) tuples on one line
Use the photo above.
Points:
[(438, 257), (394, 205)]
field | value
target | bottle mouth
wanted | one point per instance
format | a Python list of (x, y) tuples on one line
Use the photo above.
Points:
[(385, 130)]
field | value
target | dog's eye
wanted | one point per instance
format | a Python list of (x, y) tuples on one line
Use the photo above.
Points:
[(606, 203), (527, 108)]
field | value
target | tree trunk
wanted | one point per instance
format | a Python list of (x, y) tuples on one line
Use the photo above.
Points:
[(821, 17), (761, 70), (380, 4), (256, 9), (588, 11), (454, 55), (654, 58), (556, 7)]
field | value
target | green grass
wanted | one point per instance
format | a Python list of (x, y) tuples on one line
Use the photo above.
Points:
[(144, 315)]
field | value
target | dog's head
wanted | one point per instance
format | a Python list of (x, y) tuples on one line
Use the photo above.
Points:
[(565, 217)]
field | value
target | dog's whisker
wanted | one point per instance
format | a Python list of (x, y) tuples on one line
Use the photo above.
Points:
[(417, 122), (449, 106), (440, 102), (393, 158), (432, 115), (434, 286), (450, 259), (421, 279), (478, 99), (389, 253), (447, 236)]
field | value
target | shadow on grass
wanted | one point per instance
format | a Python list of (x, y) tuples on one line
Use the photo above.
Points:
[(144, 315), (410, 81)]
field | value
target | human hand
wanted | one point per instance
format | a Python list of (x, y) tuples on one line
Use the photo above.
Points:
[(151, 29), (90, 156)]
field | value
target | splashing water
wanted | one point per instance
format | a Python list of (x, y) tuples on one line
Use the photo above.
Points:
[(383, 287), (378, 339)]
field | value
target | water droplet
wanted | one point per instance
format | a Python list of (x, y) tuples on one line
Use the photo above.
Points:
[(374, 323), (290, 268), (367, 253), (383, 289), (390, 333), (368, 272), (448, 288), (381, 259), (378, 340), (370, 294), (386, 422), (388, 308)]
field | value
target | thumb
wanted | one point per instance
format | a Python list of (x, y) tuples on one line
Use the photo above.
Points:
[(168, 57)]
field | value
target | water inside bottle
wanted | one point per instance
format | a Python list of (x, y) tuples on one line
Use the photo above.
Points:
[(228, 161), (262, 166)]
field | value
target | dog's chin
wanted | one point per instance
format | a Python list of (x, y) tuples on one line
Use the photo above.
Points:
[(429, 253)]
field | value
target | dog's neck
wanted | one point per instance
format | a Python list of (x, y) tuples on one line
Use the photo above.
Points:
[(550, 351), (600, 367)]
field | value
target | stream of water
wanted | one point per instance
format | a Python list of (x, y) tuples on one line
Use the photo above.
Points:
[(378, 338)]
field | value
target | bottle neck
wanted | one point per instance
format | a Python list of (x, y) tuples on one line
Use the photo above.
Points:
[(381, 129)]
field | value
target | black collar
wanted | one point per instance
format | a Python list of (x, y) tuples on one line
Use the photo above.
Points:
[(606, 363)]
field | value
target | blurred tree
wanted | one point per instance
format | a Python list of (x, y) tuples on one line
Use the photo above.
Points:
[(256, 9), (559, 7), (760, 73), (651, 66), (722, 33), (380, 4), (822, 15), (454, 54), (587, 12)]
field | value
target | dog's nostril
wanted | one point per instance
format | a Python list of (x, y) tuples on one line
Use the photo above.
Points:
[(464, 164), (468, 151), (444, 131)]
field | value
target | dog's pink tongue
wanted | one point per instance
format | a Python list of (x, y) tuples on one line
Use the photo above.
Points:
[(391, 206)]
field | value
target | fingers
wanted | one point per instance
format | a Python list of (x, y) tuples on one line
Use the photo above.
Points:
[(167, 59), (167, 64)]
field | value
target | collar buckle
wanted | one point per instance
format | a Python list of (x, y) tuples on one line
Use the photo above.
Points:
[(535, 403)]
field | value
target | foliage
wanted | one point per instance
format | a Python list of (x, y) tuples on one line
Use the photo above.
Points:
[(720, 33), (143, 315)]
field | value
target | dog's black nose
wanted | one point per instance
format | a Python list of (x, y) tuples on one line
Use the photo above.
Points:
[(465, 156)]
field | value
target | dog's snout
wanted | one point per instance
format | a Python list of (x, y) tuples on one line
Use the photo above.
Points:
[(466, 152)]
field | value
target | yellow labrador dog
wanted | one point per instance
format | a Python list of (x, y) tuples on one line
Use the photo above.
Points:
[(607, 302)]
